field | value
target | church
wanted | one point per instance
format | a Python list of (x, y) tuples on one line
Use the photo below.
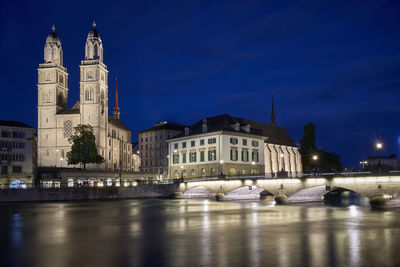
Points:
[(56, 122)]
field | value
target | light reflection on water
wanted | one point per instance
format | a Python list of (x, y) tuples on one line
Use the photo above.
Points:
[(196, 233)]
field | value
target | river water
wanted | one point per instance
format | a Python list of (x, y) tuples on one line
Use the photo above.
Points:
[(154, 232)]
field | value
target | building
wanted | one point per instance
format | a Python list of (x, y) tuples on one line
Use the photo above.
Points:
[(381, 163), (227, 146), (17, 154), (135, 157), (153, 146), (56, 121)]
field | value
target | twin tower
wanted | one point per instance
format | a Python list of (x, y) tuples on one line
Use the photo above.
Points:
[(56, 121)]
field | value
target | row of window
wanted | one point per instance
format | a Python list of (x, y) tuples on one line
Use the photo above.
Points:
[(193, 143), (235, 141), (7, 134), (13, 157), (15, 169), (192, 157), (212, 172), (7, 145), (234, 155)]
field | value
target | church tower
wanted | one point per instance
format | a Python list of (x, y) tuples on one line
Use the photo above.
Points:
[(94, 89), (52, 97)]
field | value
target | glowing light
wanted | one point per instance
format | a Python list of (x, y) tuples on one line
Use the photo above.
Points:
[(379, 145), (315, 157), (316, 181), (221, 161)]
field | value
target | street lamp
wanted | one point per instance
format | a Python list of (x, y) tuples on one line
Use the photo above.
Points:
[(61, 159), (379, 146), (315, 159), (363, 163)]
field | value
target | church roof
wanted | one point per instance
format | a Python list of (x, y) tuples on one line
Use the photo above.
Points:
[(117, 123), (14, 124), (276, 135)]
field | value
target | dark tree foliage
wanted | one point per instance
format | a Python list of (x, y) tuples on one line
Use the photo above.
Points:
[(83, 150), (326, 162)]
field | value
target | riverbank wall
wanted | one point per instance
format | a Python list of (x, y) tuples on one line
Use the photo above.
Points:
[(88, 193)]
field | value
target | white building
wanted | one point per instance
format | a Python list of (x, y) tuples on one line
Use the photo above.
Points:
[(56, 121), (17, 154), (225, 145)]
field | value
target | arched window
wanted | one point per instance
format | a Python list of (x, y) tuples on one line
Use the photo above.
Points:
[(89, 94), (232, 171), (244, 172), (184, 174), (254, 171), (67, 128), (193, 173), (203, 172), (212, 172), (176, 174)]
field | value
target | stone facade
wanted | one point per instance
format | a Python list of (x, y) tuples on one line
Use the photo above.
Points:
[(17, 155), (56, 121)]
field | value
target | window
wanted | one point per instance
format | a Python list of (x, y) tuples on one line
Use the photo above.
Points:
[(203, 172), (89, 94), (67, 128), (193, 173), (47, 77), (254, 143), (18, 157), (233, 140), (245, 155), (175, 158), (114, 134), (192, 156), (4, 145), (18, 135), (176, 146), (202, 142), (184, 145), (61, 79), (16, 169), (5, 134), (254, 156), (212, 172), (90, 75), (202, 156), (245, 142), (192, 143), (47, 98), (212, 155), (233, 171), (176, 174), (212, 140), (234, 154), (183, 157)]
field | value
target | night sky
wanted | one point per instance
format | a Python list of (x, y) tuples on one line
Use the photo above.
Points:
[(334, 63)]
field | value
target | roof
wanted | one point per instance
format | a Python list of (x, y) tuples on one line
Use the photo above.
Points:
[(276, 135), (14, 124), (117, 123), (52, 38), (93, 33), (165, 126)]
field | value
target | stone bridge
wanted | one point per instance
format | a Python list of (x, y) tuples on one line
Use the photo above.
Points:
[(289, 189)]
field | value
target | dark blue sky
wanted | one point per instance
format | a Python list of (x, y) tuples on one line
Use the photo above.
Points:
[(335, 63)]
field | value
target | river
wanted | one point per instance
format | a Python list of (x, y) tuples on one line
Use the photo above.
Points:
[(163, 232)]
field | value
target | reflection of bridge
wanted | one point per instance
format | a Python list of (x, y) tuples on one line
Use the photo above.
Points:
[(290, 189)]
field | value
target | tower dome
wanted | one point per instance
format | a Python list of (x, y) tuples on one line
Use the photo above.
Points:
[(52, 49), (94, 45)]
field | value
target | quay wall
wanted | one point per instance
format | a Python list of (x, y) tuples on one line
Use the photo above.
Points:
[(88, 193)]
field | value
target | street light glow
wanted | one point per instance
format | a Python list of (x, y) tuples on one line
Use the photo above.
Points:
[(314, 157), (379, 145)]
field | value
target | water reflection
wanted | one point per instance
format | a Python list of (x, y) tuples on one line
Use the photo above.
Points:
[(196, 233)]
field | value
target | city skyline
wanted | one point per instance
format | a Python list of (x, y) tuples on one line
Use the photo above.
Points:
[(333, 67)]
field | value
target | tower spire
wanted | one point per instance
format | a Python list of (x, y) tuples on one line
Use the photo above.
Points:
[(53, 28), (94, 24), (273, 118), (116, 108)]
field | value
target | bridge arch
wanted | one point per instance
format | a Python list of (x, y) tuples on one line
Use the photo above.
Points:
[(198, 192), (247, 193), (315, 193)]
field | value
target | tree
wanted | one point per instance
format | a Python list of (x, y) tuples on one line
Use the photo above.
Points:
[(327, 162), (83, 148)]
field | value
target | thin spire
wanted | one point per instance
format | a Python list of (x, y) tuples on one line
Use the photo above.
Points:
[(116, 108), (94, 24), (53, 28), (273, 118)]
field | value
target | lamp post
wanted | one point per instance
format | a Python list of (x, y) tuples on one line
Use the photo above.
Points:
[(221, 166), (363, 163), (379, 146), (315, 159), (55, 158), (283, 163), (61, 159)]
